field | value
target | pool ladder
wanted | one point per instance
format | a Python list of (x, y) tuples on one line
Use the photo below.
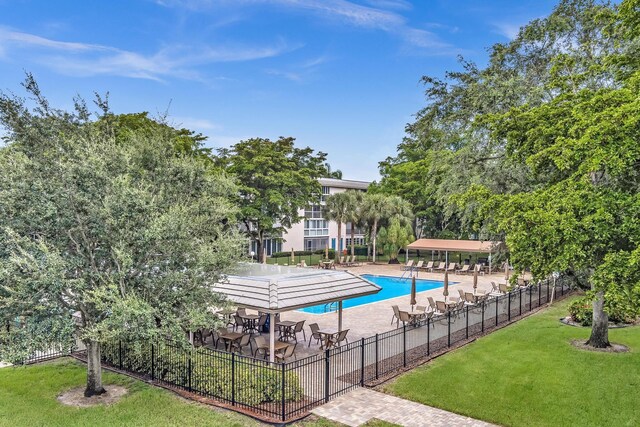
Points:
[(332, 306)]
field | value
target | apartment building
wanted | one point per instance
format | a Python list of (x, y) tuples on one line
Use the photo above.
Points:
[(314, 232)]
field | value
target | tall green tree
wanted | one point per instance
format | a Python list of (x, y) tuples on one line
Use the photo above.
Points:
[(336, 208), (378, 208), (394, 237), (104, 238), (276, 180)]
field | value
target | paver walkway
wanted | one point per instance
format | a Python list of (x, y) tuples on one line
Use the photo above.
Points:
[(359, 406)]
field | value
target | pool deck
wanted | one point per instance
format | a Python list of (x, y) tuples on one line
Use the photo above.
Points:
[(367, 320)]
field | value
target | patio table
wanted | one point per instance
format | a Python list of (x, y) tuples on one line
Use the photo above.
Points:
[(324, 338), (286, 329), (250, 322), (227, 315), (230, 337)]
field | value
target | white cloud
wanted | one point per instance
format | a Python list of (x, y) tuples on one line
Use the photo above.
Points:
[(508, 30), (194, 123), (376, 17), (85, 59)]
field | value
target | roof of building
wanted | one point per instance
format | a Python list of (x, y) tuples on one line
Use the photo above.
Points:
[(455, 245), (274, 289), (344, 183)]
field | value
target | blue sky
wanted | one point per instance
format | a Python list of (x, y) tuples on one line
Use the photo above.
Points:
[(340, 76)]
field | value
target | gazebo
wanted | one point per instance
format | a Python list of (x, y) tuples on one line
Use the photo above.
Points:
[(448, 245), (275, 289)]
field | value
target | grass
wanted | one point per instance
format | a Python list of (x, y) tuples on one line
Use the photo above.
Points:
[(528, 374)]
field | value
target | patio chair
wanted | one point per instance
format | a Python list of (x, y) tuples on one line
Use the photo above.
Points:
[(432, 304), (503, 288), (341, 262), (288, 351), (262, 321), (297, 329), (404, 318), (464, 269), (452, 266), (396, 314), (337, 338), (469, 298), (242, 311), (422, 309), (332, 264), (315, 333), (428, 267), (418, 266), (461, 293), (354, 261), (216, 336), (238, 345), (261, 346), (408, 265), (440, 267), (479, 268), (441, 308), (239, 322)]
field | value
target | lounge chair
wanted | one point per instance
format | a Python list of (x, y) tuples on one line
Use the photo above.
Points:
[(354, 261), (408, 265), (440, 267), (418, 266), (479, 268), (428, 267), (396, 314), (464, 269), (349, 261), (341, 262), (287, 352), (452, 266), (337, 338), (315, 333)]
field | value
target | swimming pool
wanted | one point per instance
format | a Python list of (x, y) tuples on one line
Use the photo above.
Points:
[(391, 287)]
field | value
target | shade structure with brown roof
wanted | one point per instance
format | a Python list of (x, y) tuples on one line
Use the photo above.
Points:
[(480, 246), (450, 245), (274, 289)]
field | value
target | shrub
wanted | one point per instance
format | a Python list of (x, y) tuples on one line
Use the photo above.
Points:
[(255, 383), (581, 311)]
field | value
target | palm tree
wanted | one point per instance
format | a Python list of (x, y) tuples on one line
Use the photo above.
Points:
[(375, 208), (335, 209), (354, 214)]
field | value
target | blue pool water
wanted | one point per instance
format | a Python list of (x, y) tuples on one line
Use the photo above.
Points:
[(391, 287)]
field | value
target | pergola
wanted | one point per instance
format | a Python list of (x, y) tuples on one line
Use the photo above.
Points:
[(448, 245), (275, 289)]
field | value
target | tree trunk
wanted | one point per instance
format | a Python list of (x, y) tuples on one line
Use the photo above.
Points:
[(373, 238), (600, 330), (338, 251), (353, 238), (94, 370), (259, 249)]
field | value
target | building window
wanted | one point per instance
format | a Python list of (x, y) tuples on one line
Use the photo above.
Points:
[(313, 211), (315, 244), (316, 227), (358, 240), (325, 193)]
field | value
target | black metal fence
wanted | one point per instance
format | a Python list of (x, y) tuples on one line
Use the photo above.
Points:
[(52, 353), (283, 391)]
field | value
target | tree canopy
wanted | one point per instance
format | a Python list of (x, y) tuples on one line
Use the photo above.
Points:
[(126, 234), (275, 180)]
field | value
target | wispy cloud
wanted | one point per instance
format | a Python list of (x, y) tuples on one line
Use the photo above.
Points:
[(377, 16), (507, 29), (300, 72), (195, 123), (86, 59)]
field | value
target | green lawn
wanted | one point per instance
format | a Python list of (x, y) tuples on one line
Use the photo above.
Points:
[(529, 375), (28, 398)]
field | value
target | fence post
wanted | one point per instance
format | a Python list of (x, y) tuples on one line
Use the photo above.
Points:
[(189, 370), (326, 376), (496, 300), (448, 328), (404, 344), (376, 356), (233, 379), (539, 294), (483, 316), (509, 307), (153, 362), (530, 297), (520, 301), (547, 286), (120, 354), (284, 409), (428, 336), (467, 322), (362, 358)]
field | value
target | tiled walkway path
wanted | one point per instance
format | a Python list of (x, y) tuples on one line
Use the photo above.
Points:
[(361, 405)]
